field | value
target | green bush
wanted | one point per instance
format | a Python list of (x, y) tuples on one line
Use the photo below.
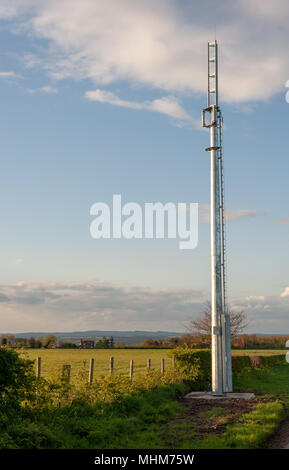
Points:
[(29, 435), (240, 363), (17, 380), (275, 360), (113, 412), (114, 388), (255, 361), (194, 364)]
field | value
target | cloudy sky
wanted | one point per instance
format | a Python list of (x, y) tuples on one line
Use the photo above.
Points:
[(105, 97)]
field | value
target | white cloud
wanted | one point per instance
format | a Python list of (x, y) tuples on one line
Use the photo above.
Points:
[(239, 214), (285, 293), (7, 74), (48, 89), (91, 304), (229, 214), (161, 43), (266, 314), (45, 89), (170, 106), (167, 105), (255, 297)]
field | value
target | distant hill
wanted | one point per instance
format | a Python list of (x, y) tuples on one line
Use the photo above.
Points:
[(127, 337)]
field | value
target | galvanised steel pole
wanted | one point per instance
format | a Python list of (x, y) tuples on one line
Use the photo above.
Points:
[(217, 369), (217, 307)]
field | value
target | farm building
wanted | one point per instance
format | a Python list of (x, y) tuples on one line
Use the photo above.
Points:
[(86, 344)]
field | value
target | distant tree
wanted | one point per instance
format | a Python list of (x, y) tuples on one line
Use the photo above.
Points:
[(20, 342), (31, 342), (188, 340), (38, 342), (151, 343), (259, 342), (111, 342), (202, 326), (102, 343), (68, 345), (10, 340), (48, 341), (174, 341), (3, 341)]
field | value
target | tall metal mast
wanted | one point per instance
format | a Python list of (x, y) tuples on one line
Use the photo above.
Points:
[(221, 341)]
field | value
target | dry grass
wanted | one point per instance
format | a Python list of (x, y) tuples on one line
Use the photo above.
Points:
[(53, 359)]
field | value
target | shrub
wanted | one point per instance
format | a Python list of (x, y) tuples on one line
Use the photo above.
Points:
[(194, 364), (113, 388), (256, 361), (240, 363), (29, 435), (275, 360), (17, 378)]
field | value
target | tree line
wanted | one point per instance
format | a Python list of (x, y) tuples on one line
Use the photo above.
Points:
[(203, 341), (50, 341), (243, 341)]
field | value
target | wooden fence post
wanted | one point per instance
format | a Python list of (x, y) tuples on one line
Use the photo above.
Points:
[(162, 366), (148, 364), (131, 369), (66, 369), (91, 366), (111, 364), (38, 368)]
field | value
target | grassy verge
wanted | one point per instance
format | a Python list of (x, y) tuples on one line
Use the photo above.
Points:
[(127, 417), (272, 381), (227, 425), (130, 423)]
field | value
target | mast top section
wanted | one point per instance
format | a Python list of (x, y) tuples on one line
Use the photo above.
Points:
[(212, 96), (212, 108)]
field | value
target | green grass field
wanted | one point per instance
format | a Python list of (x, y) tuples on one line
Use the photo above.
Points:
[(52, 360)]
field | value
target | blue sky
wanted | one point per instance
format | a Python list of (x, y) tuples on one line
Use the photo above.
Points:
[(99, 101)]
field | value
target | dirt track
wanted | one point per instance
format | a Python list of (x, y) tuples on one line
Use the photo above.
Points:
[(230, 411), (281, 439)]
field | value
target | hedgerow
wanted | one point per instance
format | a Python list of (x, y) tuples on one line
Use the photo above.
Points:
[(17, 379), (194, 365)]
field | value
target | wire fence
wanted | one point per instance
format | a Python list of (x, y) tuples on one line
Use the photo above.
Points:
[(66, 370)]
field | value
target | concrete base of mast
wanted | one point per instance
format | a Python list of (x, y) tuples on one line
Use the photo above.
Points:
[(227, 395)]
